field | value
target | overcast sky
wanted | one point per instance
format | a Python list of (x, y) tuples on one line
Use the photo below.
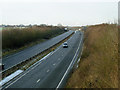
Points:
[(66, 12)]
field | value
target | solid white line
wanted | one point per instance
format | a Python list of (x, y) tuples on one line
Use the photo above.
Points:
[(27, 71), (80, 55), (69, 66), (54, 51), (10, 77), (35, 66), (23, 60), (20, 77), (48, 70)]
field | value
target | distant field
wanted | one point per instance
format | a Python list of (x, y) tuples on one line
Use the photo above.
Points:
[(98, 67), (13, 39)]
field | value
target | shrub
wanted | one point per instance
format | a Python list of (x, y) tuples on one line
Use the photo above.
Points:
[(15, 38)]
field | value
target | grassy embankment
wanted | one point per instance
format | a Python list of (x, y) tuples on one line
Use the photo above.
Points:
[(14, 40), (98, 67)]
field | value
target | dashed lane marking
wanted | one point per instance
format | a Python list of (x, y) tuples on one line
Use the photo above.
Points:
[(38, 80)]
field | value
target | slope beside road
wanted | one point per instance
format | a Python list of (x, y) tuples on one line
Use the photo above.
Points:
[(32, 51), (98, 67), (51, 72)]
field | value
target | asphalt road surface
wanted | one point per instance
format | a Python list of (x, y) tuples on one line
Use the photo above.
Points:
[(50, 73), (32, 51)]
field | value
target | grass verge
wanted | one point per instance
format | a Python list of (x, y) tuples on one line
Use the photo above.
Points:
[(98, 67)]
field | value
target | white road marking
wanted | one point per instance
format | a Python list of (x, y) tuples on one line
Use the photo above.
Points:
[(34, 67), (69, 66), (80, 55), (54, 64), (28, 71), (48, 70), (55, 51), (38, 80), (20, 77)]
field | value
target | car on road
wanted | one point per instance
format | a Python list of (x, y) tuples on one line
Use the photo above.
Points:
[(65, 45)]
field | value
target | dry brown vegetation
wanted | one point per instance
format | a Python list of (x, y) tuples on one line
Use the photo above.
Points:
[(16, 39), (98, 67)]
